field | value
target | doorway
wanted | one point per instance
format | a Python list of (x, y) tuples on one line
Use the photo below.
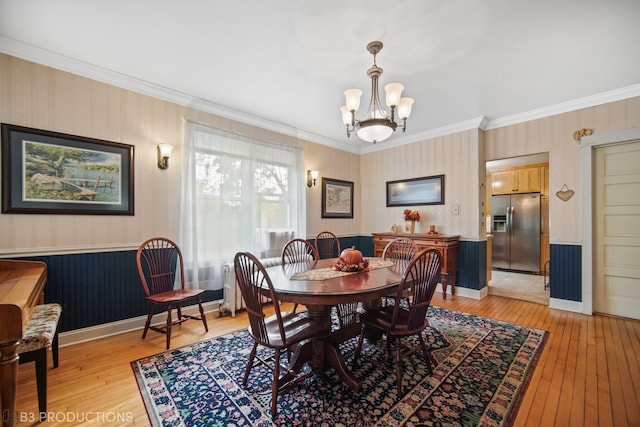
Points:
[(517, 284)]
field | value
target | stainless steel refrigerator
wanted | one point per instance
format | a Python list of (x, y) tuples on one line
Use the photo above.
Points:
[(515, 225)]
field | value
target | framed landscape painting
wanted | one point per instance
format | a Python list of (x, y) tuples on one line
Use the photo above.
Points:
[(337, 198), (47, 172), (428, 190)]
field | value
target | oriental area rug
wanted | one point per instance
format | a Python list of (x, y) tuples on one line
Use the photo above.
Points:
[(484, 367)]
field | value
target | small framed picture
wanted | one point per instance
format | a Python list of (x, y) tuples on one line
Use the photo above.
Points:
[(337, 198)]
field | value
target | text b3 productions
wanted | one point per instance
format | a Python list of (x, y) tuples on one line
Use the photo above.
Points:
[(70, 417)]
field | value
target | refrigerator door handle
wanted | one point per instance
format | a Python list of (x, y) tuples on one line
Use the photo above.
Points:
[(510, 220)]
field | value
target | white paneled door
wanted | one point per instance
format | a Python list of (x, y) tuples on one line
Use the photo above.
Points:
[(616, 284)]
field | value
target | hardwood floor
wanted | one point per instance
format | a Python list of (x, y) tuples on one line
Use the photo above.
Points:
[(588, 373)]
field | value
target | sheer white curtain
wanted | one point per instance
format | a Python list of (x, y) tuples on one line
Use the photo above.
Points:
[(238, 194)]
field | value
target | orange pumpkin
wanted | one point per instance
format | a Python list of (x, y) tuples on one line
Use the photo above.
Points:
[(351, 256)]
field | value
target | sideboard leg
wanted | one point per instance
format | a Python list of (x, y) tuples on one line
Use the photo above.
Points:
[(445, 282)]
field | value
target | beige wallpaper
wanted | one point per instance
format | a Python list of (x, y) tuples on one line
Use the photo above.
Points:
[(555, 136), (455, 156), (40, 97)]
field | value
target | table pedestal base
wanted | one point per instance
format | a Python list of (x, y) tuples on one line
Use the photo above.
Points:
[(319, 352)]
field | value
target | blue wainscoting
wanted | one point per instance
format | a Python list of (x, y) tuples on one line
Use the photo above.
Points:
[(103, 287), (96, 288), (565, 272), (472, 265)]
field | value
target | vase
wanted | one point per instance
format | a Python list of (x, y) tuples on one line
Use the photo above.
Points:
[(409, 226)]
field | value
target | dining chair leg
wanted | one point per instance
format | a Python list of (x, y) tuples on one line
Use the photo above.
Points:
[(169, 324), (399, 365), (356, 355), (152, 308), (202, 316), (247, 370), (426, 353), (179, 310), (274, 385)]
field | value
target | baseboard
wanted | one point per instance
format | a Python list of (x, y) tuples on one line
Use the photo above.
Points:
[(133, 324), (566, 305), (470, 293)]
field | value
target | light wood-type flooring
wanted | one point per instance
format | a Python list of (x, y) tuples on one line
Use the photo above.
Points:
[(587, 375)]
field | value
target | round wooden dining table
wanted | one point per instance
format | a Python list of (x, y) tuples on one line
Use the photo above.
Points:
[(317, 286)]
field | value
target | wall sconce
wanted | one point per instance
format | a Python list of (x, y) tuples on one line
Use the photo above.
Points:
[(164, 152), (312, 176)]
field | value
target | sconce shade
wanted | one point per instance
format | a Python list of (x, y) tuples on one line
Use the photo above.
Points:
[(312, 176), (164, 152)]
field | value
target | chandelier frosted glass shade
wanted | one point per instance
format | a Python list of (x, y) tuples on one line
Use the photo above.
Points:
[(375, 131), (376, 125)]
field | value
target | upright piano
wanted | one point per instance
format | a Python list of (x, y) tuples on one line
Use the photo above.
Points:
[(21, 289)]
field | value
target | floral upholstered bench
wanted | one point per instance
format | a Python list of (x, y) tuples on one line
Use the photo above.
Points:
[(40, 335)]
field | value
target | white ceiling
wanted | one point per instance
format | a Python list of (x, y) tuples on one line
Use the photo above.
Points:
[(284, 64)]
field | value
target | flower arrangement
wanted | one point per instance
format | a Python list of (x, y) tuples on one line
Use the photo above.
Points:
[(411, 215)]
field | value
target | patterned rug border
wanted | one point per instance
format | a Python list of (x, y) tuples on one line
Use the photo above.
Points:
[(500, 411), (406, 407)]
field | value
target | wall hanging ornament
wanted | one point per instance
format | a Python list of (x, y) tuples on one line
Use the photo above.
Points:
[(577, 135), (565, 194)]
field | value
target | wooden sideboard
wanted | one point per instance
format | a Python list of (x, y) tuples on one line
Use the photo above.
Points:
[(446, 245)]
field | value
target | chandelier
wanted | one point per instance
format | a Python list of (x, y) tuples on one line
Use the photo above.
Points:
[(376, 125)]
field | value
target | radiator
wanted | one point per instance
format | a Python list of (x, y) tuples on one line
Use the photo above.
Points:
[(273, 241), (232, 297)]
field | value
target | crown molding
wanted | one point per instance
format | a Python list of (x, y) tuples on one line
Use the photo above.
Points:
[(565, 107), (64, 63), (476, 123)]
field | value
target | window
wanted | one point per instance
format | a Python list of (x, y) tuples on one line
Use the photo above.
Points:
[(238, 195)]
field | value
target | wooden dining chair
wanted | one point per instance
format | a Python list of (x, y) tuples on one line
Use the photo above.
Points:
[(401, 251), (298, 250), (279, 332), (327, 245), (397, 321), (159, 262)]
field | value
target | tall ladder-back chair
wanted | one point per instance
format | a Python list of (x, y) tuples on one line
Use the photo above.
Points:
[(41, 334), (398, 321), (158, 261), (281, 332)]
